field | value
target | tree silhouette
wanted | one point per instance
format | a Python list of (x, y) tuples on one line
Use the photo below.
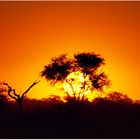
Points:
[(88, 64), (54, 99), (80, 74), (118, 97), (3, 97), (19, 97)]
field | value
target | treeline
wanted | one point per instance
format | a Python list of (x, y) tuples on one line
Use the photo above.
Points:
[(53, 118), (32, 105)]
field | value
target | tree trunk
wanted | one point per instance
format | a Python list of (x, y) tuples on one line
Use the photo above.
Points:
[(79, 97), (20, 107), (83, 97), (74, 96)]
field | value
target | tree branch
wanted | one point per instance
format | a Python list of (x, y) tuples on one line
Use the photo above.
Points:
[(12, 96), (18, 96), (10, 90), (68, 94), (34, 83), (71, 87), (9, 87)]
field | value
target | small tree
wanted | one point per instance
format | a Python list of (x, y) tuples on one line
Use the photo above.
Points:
[(18, 97), (80, 73), (118, 97)]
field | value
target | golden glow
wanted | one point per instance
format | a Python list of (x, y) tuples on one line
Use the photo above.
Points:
[(74, 82), (31, 33)]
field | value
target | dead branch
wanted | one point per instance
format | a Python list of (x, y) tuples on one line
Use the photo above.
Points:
[(34, 83)]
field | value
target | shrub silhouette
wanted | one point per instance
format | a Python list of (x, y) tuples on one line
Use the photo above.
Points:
[(118, 97), (3, 97), (62, 69), (54, 99)]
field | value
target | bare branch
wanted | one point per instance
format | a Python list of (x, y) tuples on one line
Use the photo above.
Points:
[(10, 90), (15, 96), (82, 88), (34, 83), (18, 96), (68, 94), (9, 87), (71, 87), (9, 93)]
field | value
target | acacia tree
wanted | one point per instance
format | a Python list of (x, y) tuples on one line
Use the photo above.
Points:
[(82, 65), (19, 97)]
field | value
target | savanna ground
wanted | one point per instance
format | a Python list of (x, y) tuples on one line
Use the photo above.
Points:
[(52, 118)]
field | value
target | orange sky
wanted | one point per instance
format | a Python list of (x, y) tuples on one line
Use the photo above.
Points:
[(33, 32)]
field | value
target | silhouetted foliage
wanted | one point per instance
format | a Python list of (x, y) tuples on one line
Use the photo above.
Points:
[(58, 69), (86, 64), (137, 101), (54, 99), (118, 97), (3, 97), (99, 81)]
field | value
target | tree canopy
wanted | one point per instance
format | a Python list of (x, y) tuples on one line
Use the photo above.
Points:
[(80, 73), (118, 97)]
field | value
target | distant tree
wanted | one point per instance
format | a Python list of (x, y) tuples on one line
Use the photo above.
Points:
[(118, 97), (18, 97), (54, 99), (3, 97), (80, 73)]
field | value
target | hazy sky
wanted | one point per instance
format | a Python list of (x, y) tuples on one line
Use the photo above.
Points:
[(31, 33)]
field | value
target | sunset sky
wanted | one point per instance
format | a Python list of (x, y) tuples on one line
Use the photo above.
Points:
[(31, 33)]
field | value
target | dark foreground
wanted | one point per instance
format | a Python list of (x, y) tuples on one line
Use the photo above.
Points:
[(101, 119)]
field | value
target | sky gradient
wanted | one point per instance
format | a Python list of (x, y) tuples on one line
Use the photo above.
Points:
[(31, 33)]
